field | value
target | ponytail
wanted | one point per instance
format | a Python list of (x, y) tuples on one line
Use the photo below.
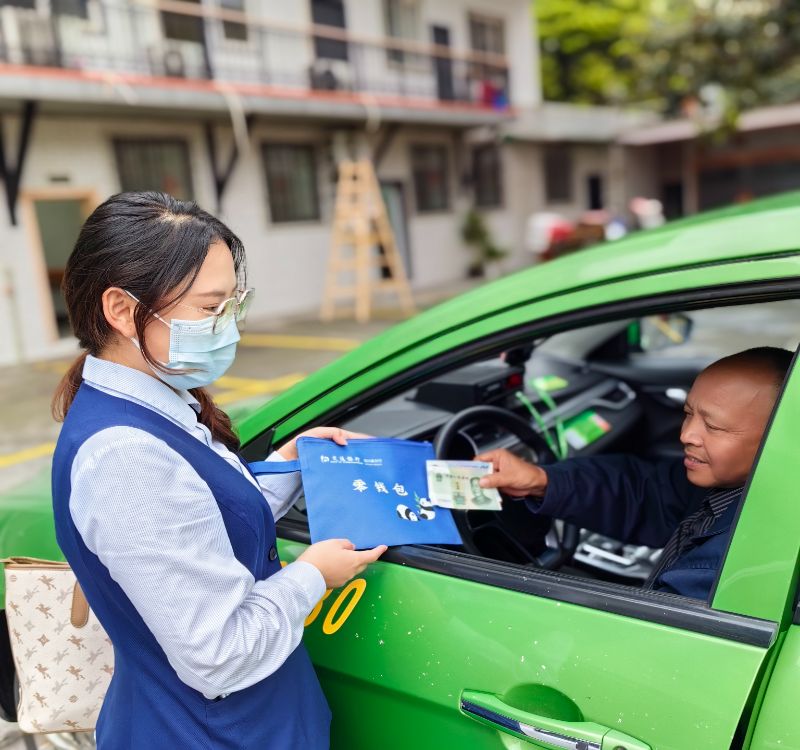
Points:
[(67, 388), (217, 421)]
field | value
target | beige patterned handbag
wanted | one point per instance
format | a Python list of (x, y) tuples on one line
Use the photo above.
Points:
[(63, 657)]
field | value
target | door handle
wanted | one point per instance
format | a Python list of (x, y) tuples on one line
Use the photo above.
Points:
[(544, 731)]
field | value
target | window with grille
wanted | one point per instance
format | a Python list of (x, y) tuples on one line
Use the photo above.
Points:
[(232, 29), (183, 27), (429, 167), (77, 8), (291, 182), (487, 176), (19, 3), (329, 13), (155, 165), (558, 174), (401, 19), (487, 34)]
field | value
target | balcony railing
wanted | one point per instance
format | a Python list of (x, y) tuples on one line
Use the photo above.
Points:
[(181, 40)]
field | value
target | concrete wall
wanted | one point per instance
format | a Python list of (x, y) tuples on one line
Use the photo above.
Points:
[(522, 194), (69, 154), (644, 173), (286, 261), (587, 160)]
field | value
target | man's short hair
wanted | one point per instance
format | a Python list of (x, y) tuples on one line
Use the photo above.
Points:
[(770, 358)]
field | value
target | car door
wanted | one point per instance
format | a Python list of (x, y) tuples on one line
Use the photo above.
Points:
[(435, 648)]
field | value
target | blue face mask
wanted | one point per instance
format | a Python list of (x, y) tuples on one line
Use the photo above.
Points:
[(193, 346)]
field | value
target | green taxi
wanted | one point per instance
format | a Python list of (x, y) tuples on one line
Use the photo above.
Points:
[(534, 633)]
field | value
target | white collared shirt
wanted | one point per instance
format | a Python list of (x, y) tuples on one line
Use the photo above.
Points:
[(154, 523)]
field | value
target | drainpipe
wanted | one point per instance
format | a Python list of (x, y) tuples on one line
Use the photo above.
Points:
[(16, 323)]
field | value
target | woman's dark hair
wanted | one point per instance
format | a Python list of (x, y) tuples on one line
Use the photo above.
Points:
[(151, 245)]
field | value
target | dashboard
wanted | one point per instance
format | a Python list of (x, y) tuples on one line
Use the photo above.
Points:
[(577, 396)]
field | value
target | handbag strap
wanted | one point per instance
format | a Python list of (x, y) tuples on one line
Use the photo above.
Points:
[(34, 562), (274, 467), (79, 612)]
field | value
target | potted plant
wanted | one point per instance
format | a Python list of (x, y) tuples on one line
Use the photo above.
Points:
[(476, 234)]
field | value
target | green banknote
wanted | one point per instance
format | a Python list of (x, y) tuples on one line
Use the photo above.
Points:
[(455, 484)]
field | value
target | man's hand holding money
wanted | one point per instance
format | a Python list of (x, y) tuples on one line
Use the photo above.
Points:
[(513, 475)]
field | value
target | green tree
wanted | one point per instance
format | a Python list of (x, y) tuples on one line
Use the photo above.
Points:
[(590, 48), (727, 55), (738, 53)]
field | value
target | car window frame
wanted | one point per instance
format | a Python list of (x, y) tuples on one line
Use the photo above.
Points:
[(656, 607)]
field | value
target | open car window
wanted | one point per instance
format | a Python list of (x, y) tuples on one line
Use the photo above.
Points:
[(612, 388)]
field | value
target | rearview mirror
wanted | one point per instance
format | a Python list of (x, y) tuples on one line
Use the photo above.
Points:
[(658, 332)]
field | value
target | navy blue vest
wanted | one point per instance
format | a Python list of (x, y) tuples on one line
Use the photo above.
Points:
[(147, 705)]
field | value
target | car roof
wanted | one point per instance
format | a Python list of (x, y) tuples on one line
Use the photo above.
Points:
[(765, 227), (761, 228)]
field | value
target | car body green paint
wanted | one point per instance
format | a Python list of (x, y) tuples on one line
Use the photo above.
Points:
[(396, 666), (778, 723)]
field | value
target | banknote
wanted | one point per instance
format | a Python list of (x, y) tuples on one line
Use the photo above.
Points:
[(455, 484)]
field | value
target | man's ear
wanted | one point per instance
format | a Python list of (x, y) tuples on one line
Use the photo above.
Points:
[(118, 309)]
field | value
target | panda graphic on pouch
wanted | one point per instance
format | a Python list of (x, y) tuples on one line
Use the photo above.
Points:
[(424, 511)]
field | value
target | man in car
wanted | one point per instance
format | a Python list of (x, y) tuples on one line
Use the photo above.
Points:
[(686, 506)]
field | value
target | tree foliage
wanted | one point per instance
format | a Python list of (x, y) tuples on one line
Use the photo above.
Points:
[(727, 54)]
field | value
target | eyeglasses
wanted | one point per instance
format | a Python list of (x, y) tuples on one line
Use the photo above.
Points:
[(226, 311), (232, 308)]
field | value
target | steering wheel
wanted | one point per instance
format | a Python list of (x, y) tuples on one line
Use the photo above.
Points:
[(514, 528)]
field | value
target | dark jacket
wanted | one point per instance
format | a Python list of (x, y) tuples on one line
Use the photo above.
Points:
[(639, 502)]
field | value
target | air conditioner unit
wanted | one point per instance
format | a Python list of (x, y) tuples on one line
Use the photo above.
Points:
[(331, 75), (167, 61), (174, 65)]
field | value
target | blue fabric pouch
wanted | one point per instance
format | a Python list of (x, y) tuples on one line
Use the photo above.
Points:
[(371, 491)]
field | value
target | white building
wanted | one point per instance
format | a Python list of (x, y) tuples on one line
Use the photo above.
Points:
[(99, 96)]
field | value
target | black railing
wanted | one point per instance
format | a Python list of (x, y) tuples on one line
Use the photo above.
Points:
[(177, 40)]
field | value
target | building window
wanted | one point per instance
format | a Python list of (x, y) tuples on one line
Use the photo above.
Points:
[(401, 19), (558, 174), (77, 8), (291, 182), (594, 192), (155, 165), (487, 176), (429, 167), (183, 27), (487, 34), (232, 29), (329, 13)]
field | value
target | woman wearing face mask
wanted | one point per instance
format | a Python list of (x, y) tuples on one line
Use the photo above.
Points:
[(170, 536)]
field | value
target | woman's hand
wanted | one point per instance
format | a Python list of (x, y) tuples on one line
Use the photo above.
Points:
[(338, 560), (338, 435)]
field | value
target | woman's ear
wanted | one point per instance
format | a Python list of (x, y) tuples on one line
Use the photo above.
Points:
[(118, 309)]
